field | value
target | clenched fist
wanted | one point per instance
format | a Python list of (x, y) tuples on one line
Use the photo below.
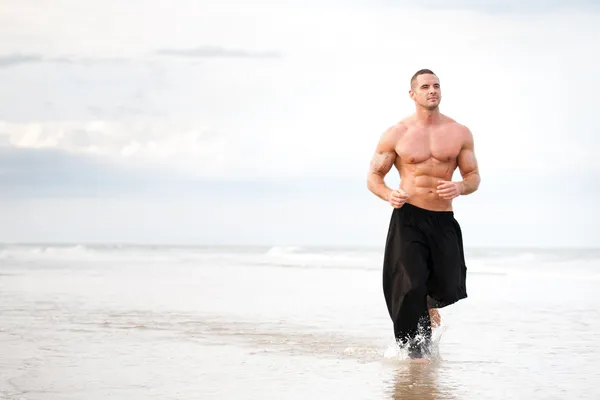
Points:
[(397, 198), (449, 190)]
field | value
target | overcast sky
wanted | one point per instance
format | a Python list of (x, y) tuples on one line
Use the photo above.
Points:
[(243, 122)]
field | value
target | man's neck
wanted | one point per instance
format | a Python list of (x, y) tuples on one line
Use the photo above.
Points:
[(427, 117)]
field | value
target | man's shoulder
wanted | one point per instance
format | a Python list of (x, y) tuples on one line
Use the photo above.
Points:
[(455, 125), (397, 130)]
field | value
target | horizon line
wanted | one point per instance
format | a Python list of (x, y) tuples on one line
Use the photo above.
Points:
[(271, 245)]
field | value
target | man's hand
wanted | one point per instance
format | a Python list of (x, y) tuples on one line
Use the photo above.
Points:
[(448, 190), (397, 198)]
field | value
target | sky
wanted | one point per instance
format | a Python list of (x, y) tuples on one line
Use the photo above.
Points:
[(253, 122)]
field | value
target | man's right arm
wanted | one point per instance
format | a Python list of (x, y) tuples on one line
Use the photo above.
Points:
[(381, 163)]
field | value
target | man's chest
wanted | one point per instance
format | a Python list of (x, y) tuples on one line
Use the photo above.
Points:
[(418, 145)]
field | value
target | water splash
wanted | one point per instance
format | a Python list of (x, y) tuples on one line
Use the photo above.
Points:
[(394, 353)]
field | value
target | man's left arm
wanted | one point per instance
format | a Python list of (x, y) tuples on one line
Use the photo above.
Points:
[(467, 165), (469, 170)]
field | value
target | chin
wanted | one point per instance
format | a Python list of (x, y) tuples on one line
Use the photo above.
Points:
[(431, 105)]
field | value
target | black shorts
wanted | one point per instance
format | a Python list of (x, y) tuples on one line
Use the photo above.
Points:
[(424, 267)]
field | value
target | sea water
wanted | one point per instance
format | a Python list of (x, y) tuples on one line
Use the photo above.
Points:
[(165, 322)]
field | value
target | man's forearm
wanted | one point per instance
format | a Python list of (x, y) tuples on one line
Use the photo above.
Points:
[(377, 186), (470, 183)]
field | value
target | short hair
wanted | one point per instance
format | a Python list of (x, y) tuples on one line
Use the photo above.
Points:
[(420, 72)]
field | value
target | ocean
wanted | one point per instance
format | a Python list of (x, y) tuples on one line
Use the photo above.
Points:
[(165, 322)]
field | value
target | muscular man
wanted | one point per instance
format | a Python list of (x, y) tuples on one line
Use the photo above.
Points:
[(424, 267)]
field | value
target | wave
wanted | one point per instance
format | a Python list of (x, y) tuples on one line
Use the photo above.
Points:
[(283, 250), (80, 252), (526, 264)]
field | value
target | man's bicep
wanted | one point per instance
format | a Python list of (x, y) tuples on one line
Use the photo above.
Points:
[(467, 161), (384, 157)]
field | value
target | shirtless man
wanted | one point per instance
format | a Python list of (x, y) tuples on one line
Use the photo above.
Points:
[(424, 266)]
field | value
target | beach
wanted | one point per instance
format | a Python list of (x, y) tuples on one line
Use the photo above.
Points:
[(192, 322)]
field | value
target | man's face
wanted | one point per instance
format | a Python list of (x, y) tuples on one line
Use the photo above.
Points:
[(426, 91)]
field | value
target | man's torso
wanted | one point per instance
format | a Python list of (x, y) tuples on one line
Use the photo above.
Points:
[(425, 156)]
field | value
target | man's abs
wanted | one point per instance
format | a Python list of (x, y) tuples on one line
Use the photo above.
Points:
[(420, 181)]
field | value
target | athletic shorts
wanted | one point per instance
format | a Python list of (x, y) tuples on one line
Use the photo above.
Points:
[(424, 267)]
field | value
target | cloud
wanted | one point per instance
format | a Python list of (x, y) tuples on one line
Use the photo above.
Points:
[(218, 52), (18, 59), (121, 112), (197, 149), (154, 138), (506, 6), (320, 109), (12, 60)]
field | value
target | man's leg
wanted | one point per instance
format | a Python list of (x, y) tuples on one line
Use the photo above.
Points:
[(435, 317), (412, 325), (405, 275), (447, 282)]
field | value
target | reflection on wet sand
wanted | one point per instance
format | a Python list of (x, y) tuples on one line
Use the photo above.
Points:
[(418, 381)]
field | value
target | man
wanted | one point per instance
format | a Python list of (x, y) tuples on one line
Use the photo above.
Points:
[(424, 267)]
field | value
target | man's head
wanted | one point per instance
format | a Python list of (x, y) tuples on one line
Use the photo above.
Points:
[(425, 89)]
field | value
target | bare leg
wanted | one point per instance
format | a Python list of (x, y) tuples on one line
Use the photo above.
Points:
[(435, 317)]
